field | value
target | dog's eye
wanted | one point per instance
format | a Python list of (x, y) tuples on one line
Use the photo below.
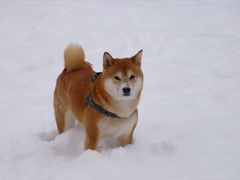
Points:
[(132, 77), (117, 78)]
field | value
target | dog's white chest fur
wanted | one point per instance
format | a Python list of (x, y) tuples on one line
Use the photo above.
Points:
[(111, 129)]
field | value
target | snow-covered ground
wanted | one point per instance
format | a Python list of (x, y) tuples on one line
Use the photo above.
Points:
[(189, 126)]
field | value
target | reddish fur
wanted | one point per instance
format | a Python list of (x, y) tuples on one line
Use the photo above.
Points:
[(73, 86)]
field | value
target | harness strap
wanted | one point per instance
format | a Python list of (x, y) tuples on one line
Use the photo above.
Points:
[(98, 108)]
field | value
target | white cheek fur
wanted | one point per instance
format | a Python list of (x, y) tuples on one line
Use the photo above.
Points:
[(136, 87), (111, 89)]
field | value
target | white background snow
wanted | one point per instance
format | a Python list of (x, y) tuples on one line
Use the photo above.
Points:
[(189, 125)]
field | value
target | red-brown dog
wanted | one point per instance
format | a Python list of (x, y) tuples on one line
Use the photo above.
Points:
[(105, 104)]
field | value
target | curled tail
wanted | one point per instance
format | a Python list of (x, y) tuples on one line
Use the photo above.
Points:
[(73, 57)]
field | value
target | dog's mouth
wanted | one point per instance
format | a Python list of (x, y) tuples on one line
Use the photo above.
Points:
[(127, 94)]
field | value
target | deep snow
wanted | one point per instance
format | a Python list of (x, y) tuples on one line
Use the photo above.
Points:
[(189, 125)]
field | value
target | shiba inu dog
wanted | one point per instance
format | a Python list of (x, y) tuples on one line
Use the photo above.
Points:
[(104, 103)]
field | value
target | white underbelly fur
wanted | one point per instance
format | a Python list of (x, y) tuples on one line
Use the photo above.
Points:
[(112, 128)]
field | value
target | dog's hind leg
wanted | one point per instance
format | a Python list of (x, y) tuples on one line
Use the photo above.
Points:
[(69, 120), (63, 115), (59, 112), (59, 117)]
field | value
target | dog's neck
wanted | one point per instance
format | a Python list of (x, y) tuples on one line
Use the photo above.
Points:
[(123, 108)]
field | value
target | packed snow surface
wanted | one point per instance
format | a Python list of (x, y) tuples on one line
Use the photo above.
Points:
[(189, 120)]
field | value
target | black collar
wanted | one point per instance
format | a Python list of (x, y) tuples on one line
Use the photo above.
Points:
[(98, 108)]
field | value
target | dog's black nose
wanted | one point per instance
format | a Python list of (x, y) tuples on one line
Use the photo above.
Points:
[(126, 90)]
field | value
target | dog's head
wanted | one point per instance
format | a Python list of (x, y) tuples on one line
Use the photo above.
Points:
[(123, 78)]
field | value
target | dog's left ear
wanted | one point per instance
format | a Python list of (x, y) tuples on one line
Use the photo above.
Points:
[(107, 60), (137, 58)]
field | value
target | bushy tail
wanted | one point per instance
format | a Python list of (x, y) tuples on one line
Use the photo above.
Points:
[(74, 57)]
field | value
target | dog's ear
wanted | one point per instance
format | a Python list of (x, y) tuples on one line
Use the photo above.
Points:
[(137, 58), (107, 60)]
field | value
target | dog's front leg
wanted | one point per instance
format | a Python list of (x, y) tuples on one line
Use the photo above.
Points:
[(125, 139), (91, 139)]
